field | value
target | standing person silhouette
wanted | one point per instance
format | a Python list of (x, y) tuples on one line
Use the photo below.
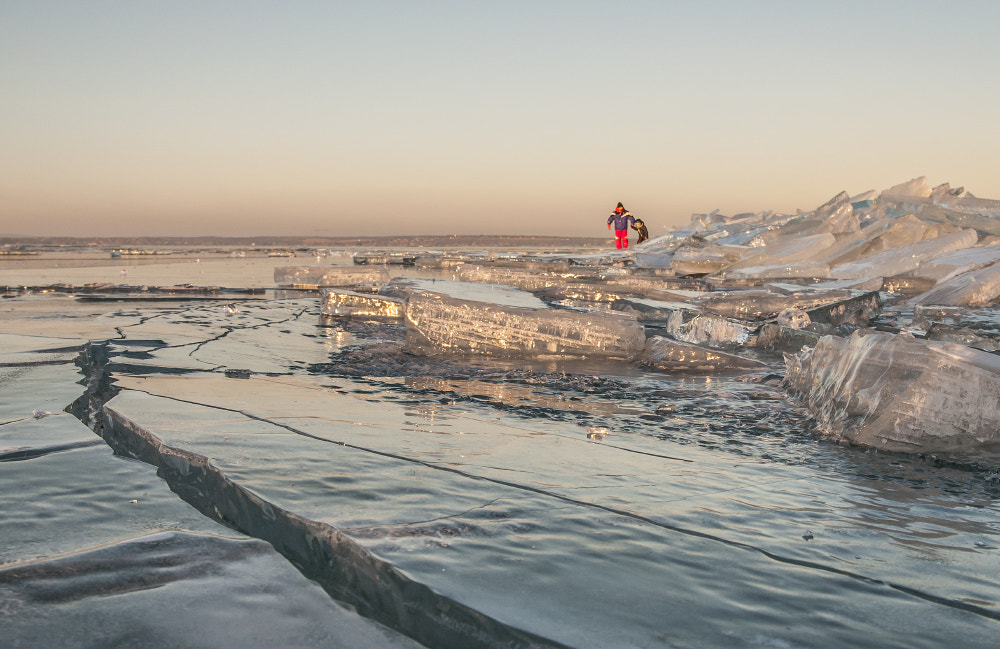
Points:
[(640, 227), (622, 219)]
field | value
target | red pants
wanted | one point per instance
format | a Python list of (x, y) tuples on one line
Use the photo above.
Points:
[(621, 238)]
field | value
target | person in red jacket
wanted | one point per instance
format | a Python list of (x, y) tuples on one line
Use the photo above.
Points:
[(622, 219)]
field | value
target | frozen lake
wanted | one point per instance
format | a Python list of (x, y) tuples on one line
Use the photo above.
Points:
[(307, 482)]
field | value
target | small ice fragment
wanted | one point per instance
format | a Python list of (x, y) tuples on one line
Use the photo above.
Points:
[(678, 356), (666, 408), (39, 414), (231, 309), (336, 302), (793, 318), (133, 501), (599, 432), (808, 536)]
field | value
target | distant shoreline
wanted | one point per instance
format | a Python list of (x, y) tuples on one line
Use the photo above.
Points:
[(417, 241)]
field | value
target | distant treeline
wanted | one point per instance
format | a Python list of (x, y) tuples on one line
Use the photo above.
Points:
[(315, 242)]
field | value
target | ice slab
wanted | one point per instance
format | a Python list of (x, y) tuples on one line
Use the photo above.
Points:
[(438, 323), (804, 270), (671, 355), (527, 280), (973, 288), (700, 329), (967, 259), (858, 309), (915, 188), (898, 393), (499, 294), (337, 302), (836, 216), (907, 258), (331, 276), (650, 311), (697, 257), (758, 304)]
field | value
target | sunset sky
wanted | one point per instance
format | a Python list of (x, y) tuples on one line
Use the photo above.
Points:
[(324, 118)]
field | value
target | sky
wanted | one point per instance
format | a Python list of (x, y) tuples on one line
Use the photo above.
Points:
[(328, 118)]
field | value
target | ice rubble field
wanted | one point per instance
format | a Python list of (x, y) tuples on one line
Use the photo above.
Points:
[(515, 449)]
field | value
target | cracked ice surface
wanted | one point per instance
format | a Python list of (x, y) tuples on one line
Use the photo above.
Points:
[(474, 489)]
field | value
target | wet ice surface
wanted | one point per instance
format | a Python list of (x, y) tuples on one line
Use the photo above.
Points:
[(96, 551), (683, 526), (461, 500)]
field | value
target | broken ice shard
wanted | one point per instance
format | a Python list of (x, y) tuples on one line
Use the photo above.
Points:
[(705, 329), (979, 287), (529, 280), (677, 356), (766, 304), (897, 261), (364, 278), (436, 323), (339, 302), (899, 393)]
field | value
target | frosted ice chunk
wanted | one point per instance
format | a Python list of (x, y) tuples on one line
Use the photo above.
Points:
[(949, 264), (678, 356), (791, 256), (791, 249), (835, 216), (898, 393), (339, 302), (441, 323), (864, 199), (331, 276), (700, 329), (916, 188), (907, 258), (907, 230), (698, 258), (973, 288), (971, 205)]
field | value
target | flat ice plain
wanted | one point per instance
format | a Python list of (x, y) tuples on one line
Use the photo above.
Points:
[(268, 475)]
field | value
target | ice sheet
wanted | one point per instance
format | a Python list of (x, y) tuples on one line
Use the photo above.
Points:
[(370, 277), (439, 323)]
